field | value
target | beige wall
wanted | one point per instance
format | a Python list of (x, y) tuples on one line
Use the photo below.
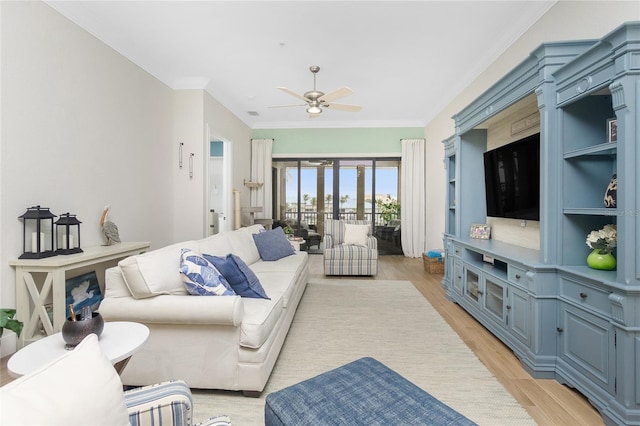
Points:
[(566, 20), (224, 126), (198, 118), (82, 126)]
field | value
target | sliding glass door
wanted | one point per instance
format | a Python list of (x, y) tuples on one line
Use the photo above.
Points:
[(309, 191)]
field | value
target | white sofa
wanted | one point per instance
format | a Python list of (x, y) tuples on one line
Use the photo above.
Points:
[(211, 342)]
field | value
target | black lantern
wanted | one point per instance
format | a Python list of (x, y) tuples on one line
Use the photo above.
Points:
[(38, 230), (68, 234)]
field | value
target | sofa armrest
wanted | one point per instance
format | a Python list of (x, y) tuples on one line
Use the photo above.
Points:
[(167, 404), (372, 242), (328, 241), (175, 309)]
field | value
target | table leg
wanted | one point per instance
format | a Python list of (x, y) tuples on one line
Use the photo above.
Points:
[(120, 365)]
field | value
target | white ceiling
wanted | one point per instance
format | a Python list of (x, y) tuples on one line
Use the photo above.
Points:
[(405, 60)]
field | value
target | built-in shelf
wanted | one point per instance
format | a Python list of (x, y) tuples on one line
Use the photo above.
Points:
[(563, 319), (602, 149), (591, 211)]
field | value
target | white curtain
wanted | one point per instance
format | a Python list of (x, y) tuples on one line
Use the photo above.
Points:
[(261, 150), (413, 193)]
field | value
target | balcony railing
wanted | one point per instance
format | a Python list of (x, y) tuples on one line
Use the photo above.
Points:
[(311, 216)]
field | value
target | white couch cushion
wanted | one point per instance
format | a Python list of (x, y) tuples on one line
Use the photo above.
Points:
[(242, 244), (156, 272), (79, 388), (260, 317), (216, 245), (277, 277)]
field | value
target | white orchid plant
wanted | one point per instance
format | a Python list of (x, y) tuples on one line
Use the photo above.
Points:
[(603, 240)]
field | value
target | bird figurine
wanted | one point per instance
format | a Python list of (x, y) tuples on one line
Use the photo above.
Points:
[(109, 229)]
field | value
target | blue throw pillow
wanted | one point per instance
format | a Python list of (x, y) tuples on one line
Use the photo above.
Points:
[(239, 276), (273, 244), (202, 278)]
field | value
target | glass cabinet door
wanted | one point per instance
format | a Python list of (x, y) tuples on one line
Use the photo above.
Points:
[(494, 297), (472, 285)]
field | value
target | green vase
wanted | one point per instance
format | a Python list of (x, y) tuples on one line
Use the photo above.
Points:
[(604, 262)]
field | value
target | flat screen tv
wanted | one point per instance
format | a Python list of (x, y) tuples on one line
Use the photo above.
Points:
[(512, 179)]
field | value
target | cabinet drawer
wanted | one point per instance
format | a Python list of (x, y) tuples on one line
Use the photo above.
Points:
[(584, 295), (457, 250), (517, 275)]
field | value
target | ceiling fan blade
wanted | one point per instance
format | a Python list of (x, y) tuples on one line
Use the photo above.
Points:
[(292, 93), (344, 107), (336, 94), (287, 106)]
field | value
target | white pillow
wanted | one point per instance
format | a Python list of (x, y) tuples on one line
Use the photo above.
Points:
[(356, 235), (156, 272), (79, 388)]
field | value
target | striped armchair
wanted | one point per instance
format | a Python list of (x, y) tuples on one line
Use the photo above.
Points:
[(349, 259), (167, 403)]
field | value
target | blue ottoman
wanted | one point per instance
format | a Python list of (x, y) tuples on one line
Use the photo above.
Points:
[(364, 392)]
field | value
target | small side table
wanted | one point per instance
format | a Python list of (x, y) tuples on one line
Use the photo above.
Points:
[(119, 340), (297, 243), (32, 294)]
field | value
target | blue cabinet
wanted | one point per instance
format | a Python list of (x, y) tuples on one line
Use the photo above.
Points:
[(561, 318)]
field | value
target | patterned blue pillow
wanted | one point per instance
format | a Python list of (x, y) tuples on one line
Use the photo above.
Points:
[(273, 244), (202, 278), (239, 276)]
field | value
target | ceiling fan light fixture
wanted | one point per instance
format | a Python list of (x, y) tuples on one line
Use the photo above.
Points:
[(314, 109)]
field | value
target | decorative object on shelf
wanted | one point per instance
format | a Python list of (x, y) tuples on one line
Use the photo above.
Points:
[(109, 229), (8, 321), (37, 228), (611, 194), (83, 291), (68, 234), (480, 231), (612, 130), (603, 262), (76, 328), (602, 242), (525, 123)]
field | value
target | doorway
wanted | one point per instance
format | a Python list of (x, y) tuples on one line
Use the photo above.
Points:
[(218, 187)]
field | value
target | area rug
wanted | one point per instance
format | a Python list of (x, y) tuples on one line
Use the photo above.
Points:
[(339, 321)]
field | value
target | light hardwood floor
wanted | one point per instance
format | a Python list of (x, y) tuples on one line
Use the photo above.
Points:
[(547, 401)]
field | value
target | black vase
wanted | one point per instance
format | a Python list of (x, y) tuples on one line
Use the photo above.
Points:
[(74, 332)]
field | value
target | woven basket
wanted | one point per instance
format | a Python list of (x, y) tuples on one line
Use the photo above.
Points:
[(433, 265)]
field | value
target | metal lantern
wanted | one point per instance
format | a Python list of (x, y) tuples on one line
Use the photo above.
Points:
[(37, 235), (68, 234)]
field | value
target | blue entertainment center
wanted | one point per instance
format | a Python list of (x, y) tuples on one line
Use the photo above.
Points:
[(562, 319)]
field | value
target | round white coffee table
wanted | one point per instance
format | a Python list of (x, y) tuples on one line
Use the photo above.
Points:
[(118, 341)]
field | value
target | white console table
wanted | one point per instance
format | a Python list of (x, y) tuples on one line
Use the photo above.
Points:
[(31, 298)]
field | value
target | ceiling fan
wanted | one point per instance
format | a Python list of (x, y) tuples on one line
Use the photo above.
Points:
[(316, 100)]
